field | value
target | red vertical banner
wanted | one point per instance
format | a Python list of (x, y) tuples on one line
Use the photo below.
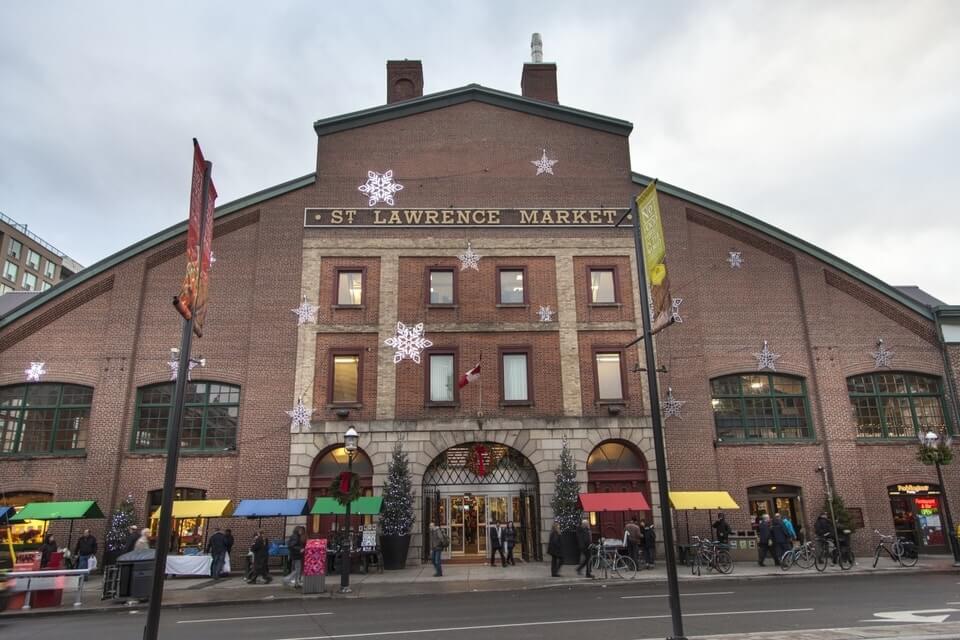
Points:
[(206, 248)]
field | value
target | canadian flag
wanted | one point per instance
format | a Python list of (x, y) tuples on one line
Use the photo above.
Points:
[(469, 377)]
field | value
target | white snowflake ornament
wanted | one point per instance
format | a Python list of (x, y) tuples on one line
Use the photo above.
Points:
[(735, 258), (175, 367), (675, 309), (380, 187), (300, 415), (546, 313), (408, 342), (671, 406), (544, 164), (306, 312), (766, 359), (882, 357), (35, 372), (469, 259)]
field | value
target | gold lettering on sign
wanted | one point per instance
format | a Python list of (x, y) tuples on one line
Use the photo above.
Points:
[(547, 217), (611, 215), (578, 217), (528, 217), (563, 216), (376, 217), (350, 213), (447, 217), (493, 216), (336, 216), (395, 217), (431, 217)]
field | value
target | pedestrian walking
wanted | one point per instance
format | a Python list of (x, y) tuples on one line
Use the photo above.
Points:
[(509, 541), (228, 543), (438, 542), (584, 539), (634, 535), (85, 549), (143, 542), (781, 539), (788, 525), (295, 545), (47, 549), (764, 540), (555, 550), (496, 545), (649, 545), (217, 548), (133, 534), (260, 549), (721, 529)]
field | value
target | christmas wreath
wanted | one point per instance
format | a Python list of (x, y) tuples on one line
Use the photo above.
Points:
[(475, 462), (345, 488)]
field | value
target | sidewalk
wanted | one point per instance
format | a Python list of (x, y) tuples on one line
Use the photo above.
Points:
[(192, 592)]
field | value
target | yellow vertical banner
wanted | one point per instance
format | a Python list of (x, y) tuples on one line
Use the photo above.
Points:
[(654, 256)]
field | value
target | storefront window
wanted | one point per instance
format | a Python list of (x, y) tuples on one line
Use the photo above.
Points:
[(917, 513), (896, 405), (29, 533), (210, 420), (44, 418), (760, 407)]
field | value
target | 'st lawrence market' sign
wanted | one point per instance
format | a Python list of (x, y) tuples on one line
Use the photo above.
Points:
[(363, 218)]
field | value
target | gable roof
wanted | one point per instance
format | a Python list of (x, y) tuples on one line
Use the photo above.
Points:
[(790, 240), (471, 93)]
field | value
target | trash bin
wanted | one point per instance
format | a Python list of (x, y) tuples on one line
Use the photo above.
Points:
[(136, 574)]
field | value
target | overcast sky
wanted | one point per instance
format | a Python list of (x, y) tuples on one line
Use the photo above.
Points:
[(836, 121)]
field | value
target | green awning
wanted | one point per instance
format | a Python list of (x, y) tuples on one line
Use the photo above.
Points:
[(365, 506), (79, 510)]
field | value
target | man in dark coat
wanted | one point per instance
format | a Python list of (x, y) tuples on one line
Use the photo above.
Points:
[(781, 539), (496, 546), (555, 550), (764, 540), (722, 529), (217, 548), (634, 535), (228, 541), (584, 539), (131, 542), (509, 537), (649, 544), (85, 549), (47, 549), (260, 549)]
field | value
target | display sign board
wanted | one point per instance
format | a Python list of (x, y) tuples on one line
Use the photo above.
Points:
[(368, 542), (470, 217)]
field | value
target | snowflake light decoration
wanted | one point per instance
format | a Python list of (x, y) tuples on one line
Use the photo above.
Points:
[(469, 259), (672, 406), (766, 359), (735, 258), (300, 415), (675, 309), (175, 367), (408, 342), (35, 372), (546, 313), (306, 312), (544, 164), (882, 357), (213, 259), (380, 187)]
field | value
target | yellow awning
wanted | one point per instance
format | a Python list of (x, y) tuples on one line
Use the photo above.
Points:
[(703, 500), (200, 509)]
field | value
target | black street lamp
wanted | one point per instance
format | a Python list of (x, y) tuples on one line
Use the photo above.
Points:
[(350, 440), (936, 450)]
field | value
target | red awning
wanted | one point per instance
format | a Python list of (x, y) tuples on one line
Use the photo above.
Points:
[(626, 501)]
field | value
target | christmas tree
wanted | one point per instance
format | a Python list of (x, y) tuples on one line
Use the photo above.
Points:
[(566, 507), (120, 525), (396, 519)]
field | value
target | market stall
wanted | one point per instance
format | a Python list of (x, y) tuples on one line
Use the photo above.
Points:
[(708, 501), (281, 508), (5, 514), (191, 520), (47, 511), (364, 507)]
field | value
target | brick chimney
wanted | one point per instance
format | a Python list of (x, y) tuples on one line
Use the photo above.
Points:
[(539, 79), (404, 80)]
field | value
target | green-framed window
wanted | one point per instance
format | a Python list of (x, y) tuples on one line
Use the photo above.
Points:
[(760, 407), (44, 417), (210, 420), (897, 404)]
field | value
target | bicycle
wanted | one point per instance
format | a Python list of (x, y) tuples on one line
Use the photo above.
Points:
[(713, 555), (829, 551), (900, 550), (609, 559), (803, 556)]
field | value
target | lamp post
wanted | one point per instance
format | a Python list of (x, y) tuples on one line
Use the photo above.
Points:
[(350, 439), (936, 451)]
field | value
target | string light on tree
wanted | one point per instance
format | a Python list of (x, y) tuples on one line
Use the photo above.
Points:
[(300, 415), (735, 258), (546, 313), (766, 359), (469, 259), (544, 164), (380, 187), (408, 342), (306, 312), (672, 406), (882, 357), (35, 371), (397, 516), (566, 492)]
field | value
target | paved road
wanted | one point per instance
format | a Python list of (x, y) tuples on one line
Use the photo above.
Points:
[(613, 613)]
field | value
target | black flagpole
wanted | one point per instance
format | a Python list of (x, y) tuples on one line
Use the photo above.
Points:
[(165, 525), (669, 552)]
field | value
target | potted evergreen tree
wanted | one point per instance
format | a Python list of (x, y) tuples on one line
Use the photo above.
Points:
[(119, 530), (396, 518), (566, 505)]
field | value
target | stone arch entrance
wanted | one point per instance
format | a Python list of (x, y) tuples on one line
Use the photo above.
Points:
[(617, 466), (470, 486), (328, 465)]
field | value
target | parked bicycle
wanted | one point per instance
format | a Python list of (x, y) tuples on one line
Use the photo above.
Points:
[(610, 560), (828, 551), (715, 556), (900, 550), (804, 556)]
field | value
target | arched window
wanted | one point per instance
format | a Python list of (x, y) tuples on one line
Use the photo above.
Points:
[(616, 466), (897, 405), (327, 466), (210, 420), (760, 406), (44, 418)]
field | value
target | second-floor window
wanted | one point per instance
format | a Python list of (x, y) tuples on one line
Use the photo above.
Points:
[(210, 419), (344, 378), (44, 418), (442, 378), (10, 271), (896, 405), (608, 367), (14, 248), (511, 286), (603, 288), (349, 288), (33, 259), (760, 406), (515, 374), (29, 281), (441, 286)]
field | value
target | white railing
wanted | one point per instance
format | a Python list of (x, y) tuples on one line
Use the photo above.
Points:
[(29, 581)]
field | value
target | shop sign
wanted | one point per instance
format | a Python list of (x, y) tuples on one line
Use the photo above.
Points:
[(912, 489), (470, 217)]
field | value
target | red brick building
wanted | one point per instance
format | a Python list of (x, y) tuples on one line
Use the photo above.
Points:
[(533, 188)]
